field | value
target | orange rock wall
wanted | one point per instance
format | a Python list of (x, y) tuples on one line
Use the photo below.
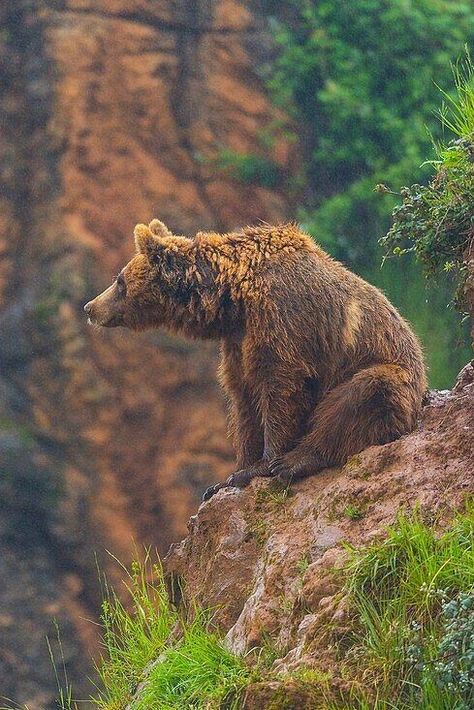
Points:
[(114, 111)]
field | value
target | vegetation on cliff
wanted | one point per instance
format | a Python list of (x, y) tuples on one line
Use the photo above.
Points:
[(412, 597), (409, 643), (436, 221), (179, 664)]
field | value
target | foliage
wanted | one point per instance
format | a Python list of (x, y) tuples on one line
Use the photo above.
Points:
[(436, 220), (249, 168), (454, 667), (411, 596), (360, 77)]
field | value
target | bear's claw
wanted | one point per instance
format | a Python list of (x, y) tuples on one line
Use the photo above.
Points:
[(239, 479), (279, 469)]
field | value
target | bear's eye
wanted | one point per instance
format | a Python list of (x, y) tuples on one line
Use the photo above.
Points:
[(121, 285)]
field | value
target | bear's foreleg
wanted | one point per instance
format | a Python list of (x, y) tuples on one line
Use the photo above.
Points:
[(281, 410), (247, 435), (246, 430)]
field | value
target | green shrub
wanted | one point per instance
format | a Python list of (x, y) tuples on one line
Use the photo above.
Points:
[(453, 668), (436, 221), (249, 168)]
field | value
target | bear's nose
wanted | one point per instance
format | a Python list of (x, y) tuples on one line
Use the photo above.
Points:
[(88, 308)]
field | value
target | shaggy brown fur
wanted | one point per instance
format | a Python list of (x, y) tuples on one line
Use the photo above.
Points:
[(317, 364)]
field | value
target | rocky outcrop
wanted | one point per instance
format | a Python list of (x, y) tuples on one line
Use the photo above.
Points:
[(113, 113), (263, 559)]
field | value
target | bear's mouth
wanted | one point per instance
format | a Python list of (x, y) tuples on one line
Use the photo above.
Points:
[(112, 322)]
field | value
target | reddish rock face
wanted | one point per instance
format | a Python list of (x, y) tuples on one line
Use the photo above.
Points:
[(114, 112)]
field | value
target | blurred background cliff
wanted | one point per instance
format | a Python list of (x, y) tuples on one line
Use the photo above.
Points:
[(207, 114)]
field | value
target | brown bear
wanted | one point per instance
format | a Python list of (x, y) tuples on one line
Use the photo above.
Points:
[(316, 362)]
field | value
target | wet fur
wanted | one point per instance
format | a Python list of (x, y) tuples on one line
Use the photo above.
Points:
[(316, 363)]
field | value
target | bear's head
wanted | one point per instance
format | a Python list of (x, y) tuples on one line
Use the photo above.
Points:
[(146, 289), (169, 282)]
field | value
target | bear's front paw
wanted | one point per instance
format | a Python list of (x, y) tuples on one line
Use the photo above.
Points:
[(209, 492), (281, 469), (290, 467), (239, 479)]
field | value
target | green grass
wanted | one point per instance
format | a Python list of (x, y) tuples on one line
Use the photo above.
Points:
[(197, 673), (353, 512), (399, 591), (185, 664), (133, 635)]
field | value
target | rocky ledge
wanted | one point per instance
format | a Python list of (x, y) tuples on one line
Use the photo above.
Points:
[(263, 558)]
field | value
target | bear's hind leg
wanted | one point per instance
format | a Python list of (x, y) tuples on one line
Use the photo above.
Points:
[(375, 406)]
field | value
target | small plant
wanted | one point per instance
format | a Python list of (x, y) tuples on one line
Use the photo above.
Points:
[(286, 604), (455, 665), (303, 565), (277, 493), (353, 512), (268, 499), (65, 699), (448, 663), (259, 530)]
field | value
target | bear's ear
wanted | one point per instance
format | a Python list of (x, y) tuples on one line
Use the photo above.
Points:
[(159, 229), (146, 242), (161, 249)]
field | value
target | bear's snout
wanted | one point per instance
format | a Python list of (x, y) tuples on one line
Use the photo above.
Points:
[(89, 311), (100, 312)]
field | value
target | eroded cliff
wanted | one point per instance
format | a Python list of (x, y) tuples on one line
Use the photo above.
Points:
[(113, 113)]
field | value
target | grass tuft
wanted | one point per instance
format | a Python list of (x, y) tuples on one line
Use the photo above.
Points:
[(133, 635), (184, 664), (402, 592), (199, 672)]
